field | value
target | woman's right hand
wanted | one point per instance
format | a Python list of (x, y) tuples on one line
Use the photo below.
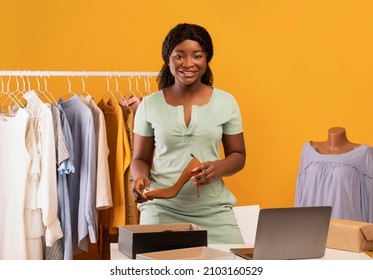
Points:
[(138, 187)]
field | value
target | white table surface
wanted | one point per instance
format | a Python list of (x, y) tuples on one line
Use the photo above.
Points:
[(330, 254)]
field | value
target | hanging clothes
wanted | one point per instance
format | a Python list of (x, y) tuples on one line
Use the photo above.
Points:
[(62, 150), (30, 206), (57, 151), (103, 190), (64, 168), (45, 194), (56, 251), (82, 183), (343, 181), (119, 160), (14, 166), (132, 214), (34, 230)]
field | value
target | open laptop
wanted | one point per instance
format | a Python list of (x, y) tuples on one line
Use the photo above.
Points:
[(289, 233)]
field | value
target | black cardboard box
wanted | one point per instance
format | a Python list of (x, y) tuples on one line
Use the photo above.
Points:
[(136, 239)]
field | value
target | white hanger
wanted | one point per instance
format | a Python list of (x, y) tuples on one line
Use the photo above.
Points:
[(41, 92), (11, 95), (2, 93), (7, 92), (122, 97), (108, 90), (17, 93), (84, 92), (146, 85), (23, 91), (130, 86), (28, 83), (2, 85), (47, 91), (69, 91), (137, 86)]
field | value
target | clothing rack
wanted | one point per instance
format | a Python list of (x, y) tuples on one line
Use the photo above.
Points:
[(28, 73)]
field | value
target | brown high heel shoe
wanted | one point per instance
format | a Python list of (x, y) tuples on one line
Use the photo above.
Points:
[(174, 190)]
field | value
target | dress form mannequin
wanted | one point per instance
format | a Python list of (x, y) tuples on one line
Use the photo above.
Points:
[(338, 173), (337, 142)]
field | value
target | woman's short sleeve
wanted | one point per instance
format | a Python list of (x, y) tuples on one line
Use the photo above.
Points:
[(141, 125), (234, 125)]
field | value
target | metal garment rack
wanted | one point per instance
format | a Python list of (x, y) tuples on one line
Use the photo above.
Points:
[(32, 73)]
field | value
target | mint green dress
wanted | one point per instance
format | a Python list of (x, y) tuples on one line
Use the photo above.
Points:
[(174, 142)]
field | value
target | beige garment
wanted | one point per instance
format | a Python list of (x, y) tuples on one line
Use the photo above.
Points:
[(47, 186), (34, 230), (103, 190)]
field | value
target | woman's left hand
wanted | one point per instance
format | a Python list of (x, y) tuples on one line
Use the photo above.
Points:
[(206, 173)]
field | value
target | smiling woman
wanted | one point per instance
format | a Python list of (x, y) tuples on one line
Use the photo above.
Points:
[(188, 116)]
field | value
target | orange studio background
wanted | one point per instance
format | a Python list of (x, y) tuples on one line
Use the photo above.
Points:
[(296, 67)]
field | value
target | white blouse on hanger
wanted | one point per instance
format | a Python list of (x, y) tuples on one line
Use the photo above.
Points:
[(14, 166), (47, 189)]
